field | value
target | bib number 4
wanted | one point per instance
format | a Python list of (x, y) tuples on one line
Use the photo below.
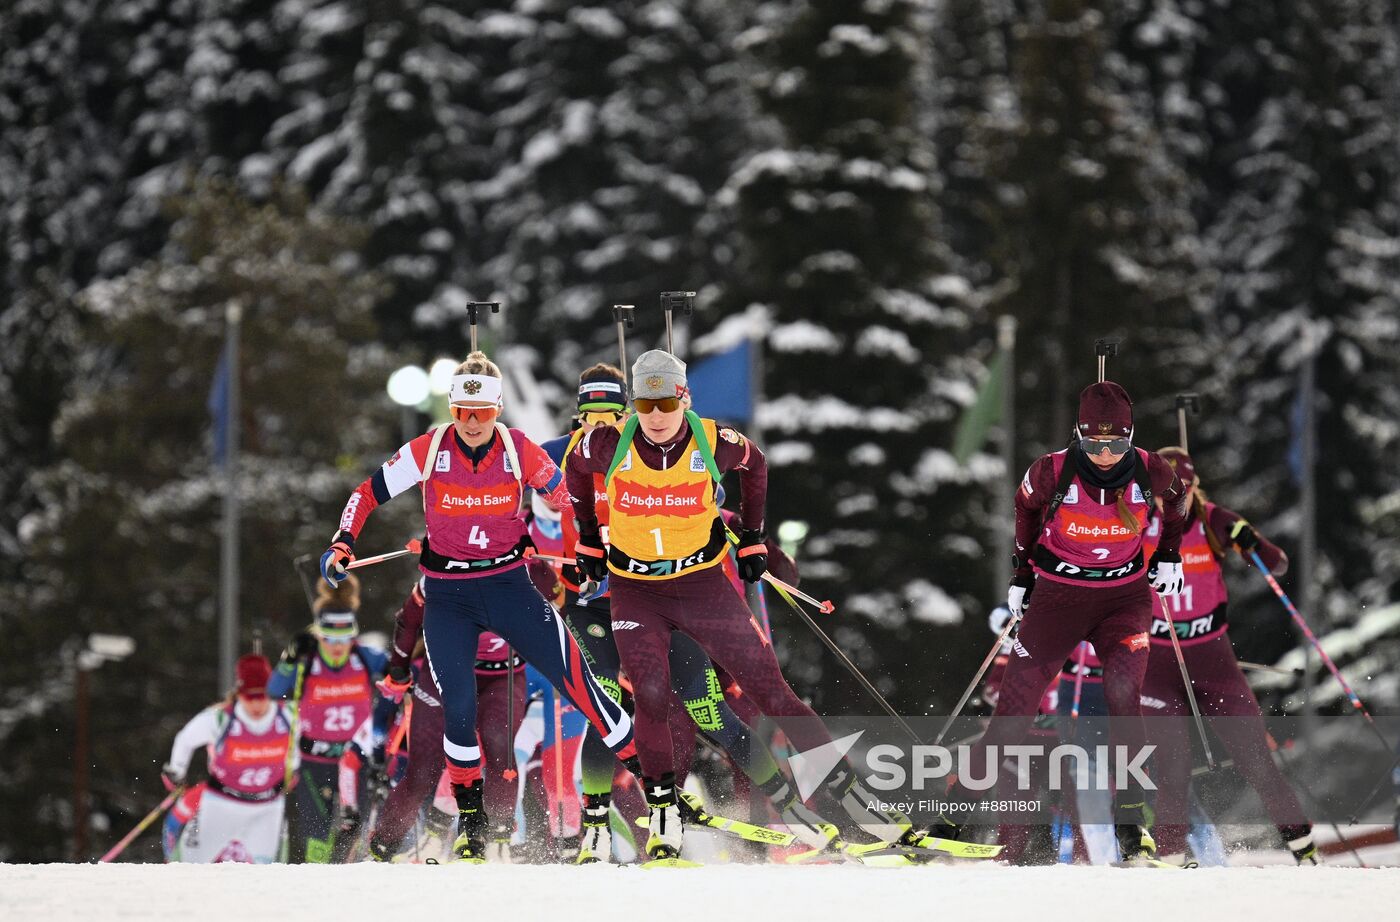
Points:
[(477, 537)]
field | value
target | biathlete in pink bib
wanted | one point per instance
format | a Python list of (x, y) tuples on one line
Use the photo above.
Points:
[(473, 473)]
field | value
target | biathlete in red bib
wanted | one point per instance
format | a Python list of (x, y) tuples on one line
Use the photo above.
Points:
[(1080, 517), (666, 543), (473, 472), (1198, 616), (248, 738)]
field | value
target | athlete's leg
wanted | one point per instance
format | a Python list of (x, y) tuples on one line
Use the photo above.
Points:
[(528, 623), (1165, 710), (497, 740), (697, 684), (452, 622), (592, 628), (420, 779)]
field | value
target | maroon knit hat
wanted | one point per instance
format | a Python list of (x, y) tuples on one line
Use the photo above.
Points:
[(1181, 462), (253, 672), (1105, 409)]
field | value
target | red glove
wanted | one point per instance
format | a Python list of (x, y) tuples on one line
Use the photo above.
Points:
[(394, 687)]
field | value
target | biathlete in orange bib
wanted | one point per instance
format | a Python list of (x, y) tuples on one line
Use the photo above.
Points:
[(473, 472), (663, 561)]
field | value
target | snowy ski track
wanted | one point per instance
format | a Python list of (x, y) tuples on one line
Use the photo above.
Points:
[(212, 893)]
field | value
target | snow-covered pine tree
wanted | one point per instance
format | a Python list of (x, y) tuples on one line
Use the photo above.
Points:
[(125, 536), (626, 126), (1302, 221), (1088, 227), (837, 260)]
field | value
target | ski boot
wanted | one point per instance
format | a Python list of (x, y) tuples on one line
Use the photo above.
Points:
[(800, 820), (470, 847), (595, 840), (1299, 841), (665, 827), (869, 812), (379, 852), (1136, 847), (498, 846)]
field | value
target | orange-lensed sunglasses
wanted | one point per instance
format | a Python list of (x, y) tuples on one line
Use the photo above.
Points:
[(480, 414), (600, 418), (665, 404)]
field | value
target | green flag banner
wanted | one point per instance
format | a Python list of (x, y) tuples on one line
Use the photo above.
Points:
[(981, 414)]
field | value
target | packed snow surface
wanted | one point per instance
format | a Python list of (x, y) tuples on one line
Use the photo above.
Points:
[(719, 892)]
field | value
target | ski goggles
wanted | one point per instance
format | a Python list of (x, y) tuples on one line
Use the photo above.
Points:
[(664, 404), (1096, 446), (480, 414), (600, 417)]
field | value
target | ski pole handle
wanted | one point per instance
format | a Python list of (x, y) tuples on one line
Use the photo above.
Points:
[(151, 817)]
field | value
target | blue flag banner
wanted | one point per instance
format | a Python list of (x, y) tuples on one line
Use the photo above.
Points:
[(721, 385), (218, 409), (1297, 422)]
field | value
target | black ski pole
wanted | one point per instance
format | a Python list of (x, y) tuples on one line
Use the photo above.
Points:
[(1185, 403), (981, 671), (474, 311), (683, 301), (850, 666), (473, 316), (622, 316)]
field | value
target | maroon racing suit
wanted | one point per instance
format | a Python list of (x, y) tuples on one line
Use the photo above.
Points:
[(1108, 604), (425, 731), (1199, 619), (702, 604)]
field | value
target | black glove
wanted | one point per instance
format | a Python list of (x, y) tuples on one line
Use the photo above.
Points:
[(1244, 537), (591, 557), (303, 644), (753, 556)]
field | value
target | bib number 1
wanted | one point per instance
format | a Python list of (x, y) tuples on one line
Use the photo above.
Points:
[(656, 533)]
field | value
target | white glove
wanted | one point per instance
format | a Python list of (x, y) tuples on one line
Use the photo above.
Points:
[(998, 618), (1016, 602), (1166, 577)]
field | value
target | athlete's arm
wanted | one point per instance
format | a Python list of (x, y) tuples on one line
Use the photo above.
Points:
[(1168, 486), (538, 470), (403, 470), (733, 452), (1037, 486), (1231, 529), (202, 730), (590, 456), (408, 627)]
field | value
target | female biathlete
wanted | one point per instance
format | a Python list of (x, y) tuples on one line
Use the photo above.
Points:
[(239, 817), (662, 560), (473, 473), (330, 678), (1202, 628), (602, 402), (1080, 515)]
